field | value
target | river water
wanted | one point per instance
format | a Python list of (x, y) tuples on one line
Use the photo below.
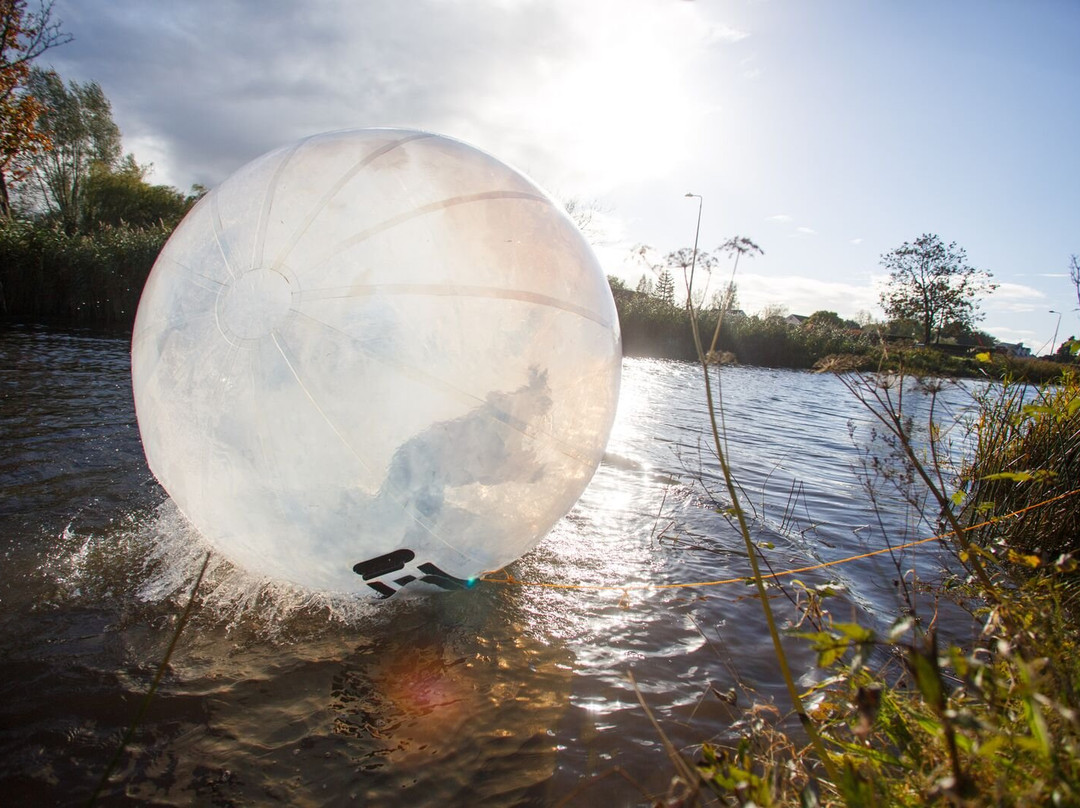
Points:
[(506, 694)]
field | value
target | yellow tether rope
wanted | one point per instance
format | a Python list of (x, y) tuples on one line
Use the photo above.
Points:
[(507, 578)]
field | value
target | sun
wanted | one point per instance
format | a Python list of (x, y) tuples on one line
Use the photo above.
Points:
[(621, 104)]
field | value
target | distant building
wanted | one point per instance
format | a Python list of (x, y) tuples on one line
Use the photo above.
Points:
[(1016, 350), (795, 319)]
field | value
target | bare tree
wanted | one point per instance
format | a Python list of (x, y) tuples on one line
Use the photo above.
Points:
[(1074, 275), (774, 311), (584, 213), (25, 35)]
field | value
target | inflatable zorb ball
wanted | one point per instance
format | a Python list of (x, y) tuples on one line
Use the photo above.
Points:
[(374, 358)]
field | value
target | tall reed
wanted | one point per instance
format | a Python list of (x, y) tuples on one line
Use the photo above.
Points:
[(1028, 451), (719, 446), (47, 274)]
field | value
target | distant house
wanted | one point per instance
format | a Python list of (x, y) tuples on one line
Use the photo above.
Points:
[(955, 348), (795, 319), (1016, 350)]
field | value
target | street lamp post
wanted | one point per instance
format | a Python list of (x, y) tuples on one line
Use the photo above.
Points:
[(693, 260), (1053, 342)]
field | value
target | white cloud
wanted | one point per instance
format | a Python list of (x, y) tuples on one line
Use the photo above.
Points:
[(633, 102), (578, 95), (785, 219), (718, 32), (803, 295), (749, 69), (1015, 298), (1005, 333), (1017, 291)]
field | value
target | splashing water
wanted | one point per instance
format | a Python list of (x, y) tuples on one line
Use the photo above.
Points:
[(157, 558)]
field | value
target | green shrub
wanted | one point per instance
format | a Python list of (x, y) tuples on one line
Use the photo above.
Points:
[(47, 274)]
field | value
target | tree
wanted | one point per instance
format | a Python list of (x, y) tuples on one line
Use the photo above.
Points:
[(123, 196), (78, 120), (588, 215), (933, 284), (774, 311), (665, 288), (20, 139), (1074, 275), (824, 320), (27, 34), (903, 328), (726, 299), (1067, 351), (24, 35)]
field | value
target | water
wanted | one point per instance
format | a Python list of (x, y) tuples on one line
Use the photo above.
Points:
[(508, 694)]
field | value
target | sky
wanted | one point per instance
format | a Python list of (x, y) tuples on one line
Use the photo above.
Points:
[(828, 132)]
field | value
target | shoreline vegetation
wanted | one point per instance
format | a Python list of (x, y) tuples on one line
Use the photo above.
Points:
[(901, 715), (655, 329), (94, 280)]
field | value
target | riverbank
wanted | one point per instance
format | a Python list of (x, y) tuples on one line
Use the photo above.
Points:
[(651, 329), (95, 280)]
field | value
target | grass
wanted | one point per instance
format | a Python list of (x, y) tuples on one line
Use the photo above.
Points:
[(994, 724), (1028, 451)]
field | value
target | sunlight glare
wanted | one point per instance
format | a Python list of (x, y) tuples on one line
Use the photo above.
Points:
[(621, 106)]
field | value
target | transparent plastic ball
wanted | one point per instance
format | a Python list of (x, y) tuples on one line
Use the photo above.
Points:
[(373, 358)]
